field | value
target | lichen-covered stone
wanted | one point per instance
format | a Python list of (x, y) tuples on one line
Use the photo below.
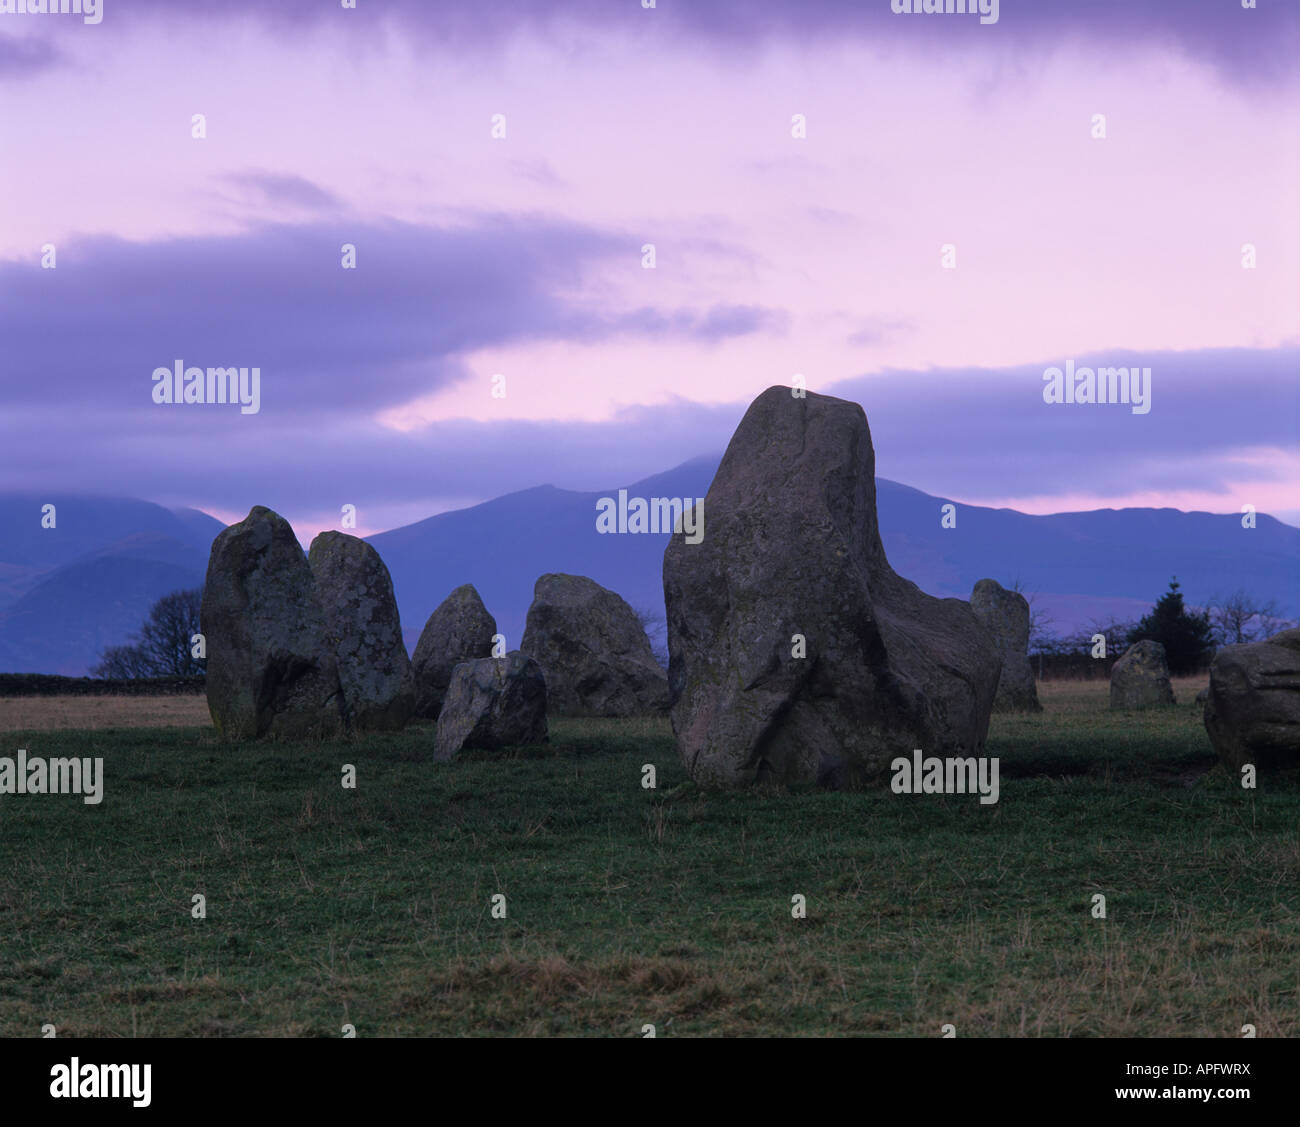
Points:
[(460, 629), (593, 650), (491, 703), (361, 620), (1252, 713), (796, 654), (271, 670), (1005, 615), (1140, 678)]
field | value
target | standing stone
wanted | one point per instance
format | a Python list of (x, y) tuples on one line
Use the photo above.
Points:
[(1140, 679), (1253, 711), (1005, 615), (460, 629), (593, 650), (361, 620), (270, 668), (493, 702), (796, 654)]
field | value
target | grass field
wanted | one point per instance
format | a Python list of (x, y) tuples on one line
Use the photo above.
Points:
[(626, 906), (45, 714)]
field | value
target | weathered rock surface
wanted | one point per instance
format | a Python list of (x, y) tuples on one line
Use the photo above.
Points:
[(1005, 615), (492, 702), (271, 670), (362, 623), (593, 650), (1140, 678), (460, 629), (792, 563), (1253, 711)]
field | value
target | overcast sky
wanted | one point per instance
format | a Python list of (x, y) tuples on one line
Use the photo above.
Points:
[(522, 256)]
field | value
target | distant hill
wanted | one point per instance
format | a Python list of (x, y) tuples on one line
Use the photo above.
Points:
[(1093, 565), (503, 545), (67, 593), (86, 524), (1083, 566)]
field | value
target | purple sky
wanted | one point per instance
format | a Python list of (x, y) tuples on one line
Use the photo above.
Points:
[(775, 255)]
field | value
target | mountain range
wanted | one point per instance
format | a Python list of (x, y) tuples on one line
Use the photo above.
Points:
[(69, 591)]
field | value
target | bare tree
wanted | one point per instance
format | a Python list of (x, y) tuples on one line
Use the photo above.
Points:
[(1239, 618), (162, 647), (1042, 633), (122, 663), (656, 629), (1114, 630)]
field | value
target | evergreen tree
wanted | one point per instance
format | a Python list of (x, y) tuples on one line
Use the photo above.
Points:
[(1186, 635)]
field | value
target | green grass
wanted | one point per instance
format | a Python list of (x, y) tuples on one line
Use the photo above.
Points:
[(626, 906)]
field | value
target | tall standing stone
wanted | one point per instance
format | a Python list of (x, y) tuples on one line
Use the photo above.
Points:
[(1252, 712), (1140, 678), (593, 650), (1005, 615), (460, 629), (361, 619), (796, 653), (270, 668)]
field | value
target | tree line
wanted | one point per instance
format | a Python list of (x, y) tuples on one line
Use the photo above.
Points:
[(1190, 635)]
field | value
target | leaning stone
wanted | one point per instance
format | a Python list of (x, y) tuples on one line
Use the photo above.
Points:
[(491, 703)]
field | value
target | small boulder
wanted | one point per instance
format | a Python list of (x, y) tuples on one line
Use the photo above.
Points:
[(1005, 615), (460, 629), (593, 650), (1253, 711), (1140, 678), (361, 619), (492, 702), (797, 654), (1202, 696), (271, 670)]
